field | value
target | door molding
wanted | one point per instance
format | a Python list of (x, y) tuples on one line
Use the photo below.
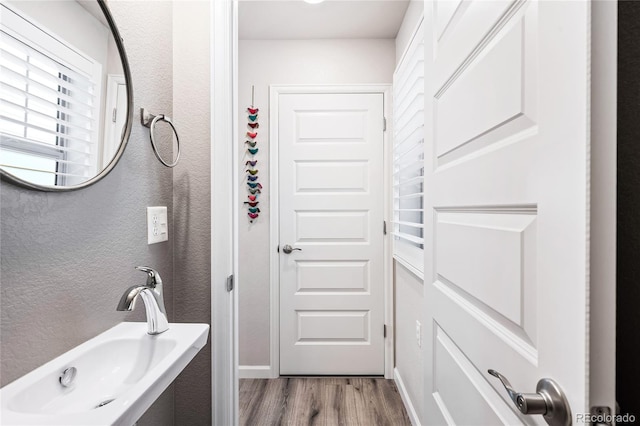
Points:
[(274, 231), (224, 226)]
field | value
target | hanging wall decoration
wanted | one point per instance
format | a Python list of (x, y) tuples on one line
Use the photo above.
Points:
[(253, 185)]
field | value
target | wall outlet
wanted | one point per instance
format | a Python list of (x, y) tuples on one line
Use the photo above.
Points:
[(157, 225), (419, 333)]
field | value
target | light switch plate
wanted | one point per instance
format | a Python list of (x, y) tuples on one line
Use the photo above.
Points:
[(157, 225)]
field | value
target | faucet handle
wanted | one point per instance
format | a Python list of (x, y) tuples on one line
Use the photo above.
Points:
[(153, 277)]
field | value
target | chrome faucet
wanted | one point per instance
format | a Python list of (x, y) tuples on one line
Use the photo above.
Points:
[(151, 294)]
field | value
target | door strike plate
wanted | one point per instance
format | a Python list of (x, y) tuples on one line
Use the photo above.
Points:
[(601, 416)]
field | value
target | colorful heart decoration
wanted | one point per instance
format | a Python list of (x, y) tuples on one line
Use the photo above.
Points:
[(253, 186)]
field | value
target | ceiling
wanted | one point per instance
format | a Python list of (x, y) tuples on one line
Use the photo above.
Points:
[(333, 19)]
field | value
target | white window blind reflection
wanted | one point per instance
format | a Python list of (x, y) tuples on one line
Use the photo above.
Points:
[(47, 108)]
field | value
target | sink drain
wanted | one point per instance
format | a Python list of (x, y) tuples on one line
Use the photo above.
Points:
[(105, 402)]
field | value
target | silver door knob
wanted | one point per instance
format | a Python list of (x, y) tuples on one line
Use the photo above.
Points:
[(288, 249), (549, 400)]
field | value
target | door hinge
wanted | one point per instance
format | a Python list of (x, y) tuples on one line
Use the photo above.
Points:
[(384, 227), (114, 115), (230, 283), (278, 249), (384, 124), (384, 330)]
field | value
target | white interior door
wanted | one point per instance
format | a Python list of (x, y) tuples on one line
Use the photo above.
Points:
[(331, 212), (507, 213)]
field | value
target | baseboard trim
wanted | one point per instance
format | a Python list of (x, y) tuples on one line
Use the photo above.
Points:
[(411, 411), (254, 371)]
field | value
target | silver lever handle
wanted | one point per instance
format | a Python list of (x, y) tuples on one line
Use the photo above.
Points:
[(549, 400), (527, 403), (153, 277), (288, 249)]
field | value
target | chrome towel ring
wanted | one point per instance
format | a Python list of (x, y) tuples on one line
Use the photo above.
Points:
[(150, 120)]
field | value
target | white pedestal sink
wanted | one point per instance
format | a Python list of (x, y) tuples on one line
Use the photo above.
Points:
[(120, 373)]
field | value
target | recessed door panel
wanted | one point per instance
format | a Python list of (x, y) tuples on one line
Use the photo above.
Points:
[(332, 176), (334, 226), (330, 126), (337, 276), (333, 327)]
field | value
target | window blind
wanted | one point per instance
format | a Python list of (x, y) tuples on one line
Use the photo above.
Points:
[(48, 123), (408, 154)]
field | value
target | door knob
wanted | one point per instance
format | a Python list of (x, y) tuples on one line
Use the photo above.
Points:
[(288, 249), (549, 400)]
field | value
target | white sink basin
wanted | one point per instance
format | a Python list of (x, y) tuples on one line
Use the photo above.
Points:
[(120, 373)]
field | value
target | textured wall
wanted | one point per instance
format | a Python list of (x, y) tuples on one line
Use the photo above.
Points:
[(262, 63), (191, 200), (628, 253), (67, 258)]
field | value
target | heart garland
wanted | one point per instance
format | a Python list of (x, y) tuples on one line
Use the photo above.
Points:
[(253, 186)]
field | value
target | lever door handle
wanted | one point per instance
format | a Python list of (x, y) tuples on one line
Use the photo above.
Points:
[(288, 249), (549, 400)]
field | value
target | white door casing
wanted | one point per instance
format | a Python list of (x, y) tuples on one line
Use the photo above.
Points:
[(506, 205), (224, 229), (331, 206), (115, 116)]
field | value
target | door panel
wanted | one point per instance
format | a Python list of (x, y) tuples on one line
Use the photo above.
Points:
[(506, 213), (331, 291)]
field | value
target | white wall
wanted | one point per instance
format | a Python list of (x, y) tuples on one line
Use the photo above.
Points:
[(411, 17), (409, 289), (265, 62)]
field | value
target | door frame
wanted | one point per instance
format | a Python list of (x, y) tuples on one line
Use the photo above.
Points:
[(274, 259), (224, 225)]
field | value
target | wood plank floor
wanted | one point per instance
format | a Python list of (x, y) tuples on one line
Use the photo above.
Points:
[(321, 401)]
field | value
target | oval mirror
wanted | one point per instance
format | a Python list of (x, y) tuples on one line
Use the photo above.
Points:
[(66, 95)]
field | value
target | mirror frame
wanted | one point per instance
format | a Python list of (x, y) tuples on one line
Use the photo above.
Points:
[(6, 176)]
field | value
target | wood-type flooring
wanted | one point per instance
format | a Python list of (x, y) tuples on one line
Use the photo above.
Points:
[(348, 401)]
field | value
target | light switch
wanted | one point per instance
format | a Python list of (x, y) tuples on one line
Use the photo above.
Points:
[(157, 225)]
